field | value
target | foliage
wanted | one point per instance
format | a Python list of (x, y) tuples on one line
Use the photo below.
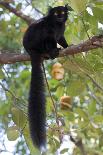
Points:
[(83, 81)]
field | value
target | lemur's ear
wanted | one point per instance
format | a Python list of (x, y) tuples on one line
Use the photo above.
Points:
[(49, 9), (68, 8)]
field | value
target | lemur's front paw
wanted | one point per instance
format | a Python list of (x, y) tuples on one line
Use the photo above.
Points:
[(54, 53)]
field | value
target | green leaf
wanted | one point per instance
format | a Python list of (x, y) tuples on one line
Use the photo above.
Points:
[(81, 113), (1, 74), (98, 119), (4, 108), (76, 88), (49, 105), (68, 115), (12, 133), (57, 143), (18, 117), (24, 75), (79, 5), (92, 108), (98, 13), (100, 2), (64, 151), (60, 91), (18, 7)]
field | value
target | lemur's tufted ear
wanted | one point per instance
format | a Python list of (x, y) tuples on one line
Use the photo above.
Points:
[(49, 9), (68, 8)]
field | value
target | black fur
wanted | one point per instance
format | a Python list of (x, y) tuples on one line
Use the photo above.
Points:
[(37, 101), (42, 37)]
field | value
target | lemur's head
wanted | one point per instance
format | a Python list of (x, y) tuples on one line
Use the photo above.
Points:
[(60, 13)]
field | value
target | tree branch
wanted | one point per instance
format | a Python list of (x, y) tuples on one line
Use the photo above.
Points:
[(93, 43), (79, 144), (18, 13), (10, 58), (90, 44)]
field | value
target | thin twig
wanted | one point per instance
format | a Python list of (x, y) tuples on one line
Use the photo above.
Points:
[(55, 109), (96, 84), (11, 93), (6, 72), (79, 144), (85, 28), (96, 43), (93, 95), (6, 89)]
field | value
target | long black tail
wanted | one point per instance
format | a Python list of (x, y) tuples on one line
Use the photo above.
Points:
[(36, 109)]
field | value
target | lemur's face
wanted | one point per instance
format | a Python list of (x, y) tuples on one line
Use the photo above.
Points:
[(59, 13)]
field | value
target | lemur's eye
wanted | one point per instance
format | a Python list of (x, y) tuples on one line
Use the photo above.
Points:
[(62, 12), (55, 13)]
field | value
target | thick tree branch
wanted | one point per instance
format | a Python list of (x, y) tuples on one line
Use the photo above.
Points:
[(90, 44), (10, 58), (18, 13), (93, 43)]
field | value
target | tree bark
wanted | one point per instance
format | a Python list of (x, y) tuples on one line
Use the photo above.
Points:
[(86, 46)]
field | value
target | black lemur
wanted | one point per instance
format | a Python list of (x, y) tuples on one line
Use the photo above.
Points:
[(42, 37)]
